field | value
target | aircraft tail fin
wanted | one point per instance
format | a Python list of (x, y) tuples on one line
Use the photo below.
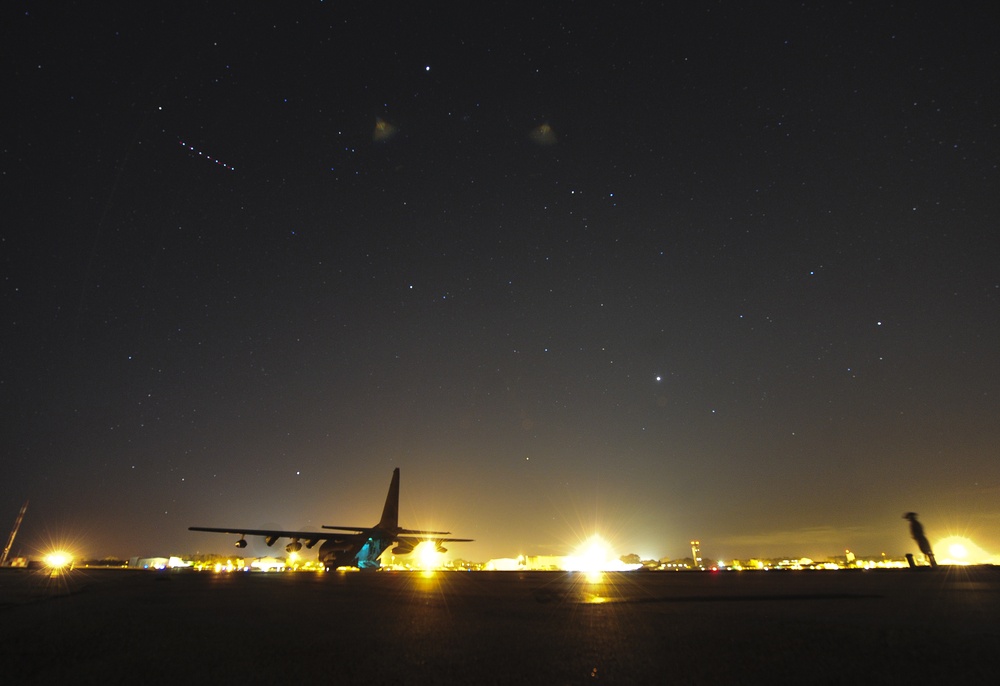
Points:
[(390, 513)]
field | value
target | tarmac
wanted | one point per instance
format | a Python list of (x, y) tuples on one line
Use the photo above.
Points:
[(817, 627)]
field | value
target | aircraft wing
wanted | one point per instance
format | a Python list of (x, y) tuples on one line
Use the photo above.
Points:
[(269, 533), (419, 533)]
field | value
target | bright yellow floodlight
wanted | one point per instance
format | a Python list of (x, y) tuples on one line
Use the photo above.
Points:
[(594, 557), (427, 556), (959, 550), (58, 559)]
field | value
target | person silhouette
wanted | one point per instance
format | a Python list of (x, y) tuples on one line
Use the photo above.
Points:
[(917, 531)]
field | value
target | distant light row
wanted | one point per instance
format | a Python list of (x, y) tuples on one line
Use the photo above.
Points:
[(207, 157)]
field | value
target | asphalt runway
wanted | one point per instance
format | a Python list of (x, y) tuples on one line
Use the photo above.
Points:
[(118, 626)]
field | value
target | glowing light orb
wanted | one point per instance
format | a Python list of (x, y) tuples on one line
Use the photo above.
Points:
[(594, 555), (959, 550), (58, 559), (427, 556), (543, 135), (383, 130)]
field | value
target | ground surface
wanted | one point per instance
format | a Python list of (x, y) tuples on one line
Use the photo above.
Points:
[(501, 628)]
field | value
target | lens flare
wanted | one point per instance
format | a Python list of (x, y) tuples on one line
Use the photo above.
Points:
[(58, 559), (959, 550), (595, 556), (427, 556)]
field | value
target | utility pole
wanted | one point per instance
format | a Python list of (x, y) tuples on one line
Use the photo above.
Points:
[(13, 533)]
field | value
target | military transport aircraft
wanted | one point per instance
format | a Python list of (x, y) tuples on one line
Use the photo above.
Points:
[(351, 546)]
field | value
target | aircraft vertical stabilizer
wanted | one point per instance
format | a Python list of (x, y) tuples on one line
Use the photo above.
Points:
[(390, 513)]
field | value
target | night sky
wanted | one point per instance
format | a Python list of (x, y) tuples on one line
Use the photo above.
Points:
[(662, 271)]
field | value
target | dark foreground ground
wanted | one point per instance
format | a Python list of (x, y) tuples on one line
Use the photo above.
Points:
[(501, 628)]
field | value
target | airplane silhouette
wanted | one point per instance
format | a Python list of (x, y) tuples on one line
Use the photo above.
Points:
[(351, 546)]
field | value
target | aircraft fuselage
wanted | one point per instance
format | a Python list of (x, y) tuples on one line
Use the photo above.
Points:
[(362, 554)]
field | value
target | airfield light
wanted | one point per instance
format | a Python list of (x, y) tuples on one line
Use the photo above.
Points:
[(594, 555), (427, 556), (962, 551), (58, 559)]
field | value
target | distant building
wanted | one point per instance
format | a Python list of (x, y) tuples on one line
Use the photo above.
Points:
[(171, 562), (545, 562), (268, 564), (556, 563), (148, 562), (503, 564), (696, 554)]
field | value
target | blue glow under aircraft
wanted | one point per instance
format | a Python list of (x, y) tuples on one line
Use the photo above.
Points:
[(351, 546)]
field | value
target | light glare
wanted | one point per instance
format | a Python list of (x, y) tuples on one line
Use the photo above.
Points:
[(58, 559), (427, 556), (963, 551)]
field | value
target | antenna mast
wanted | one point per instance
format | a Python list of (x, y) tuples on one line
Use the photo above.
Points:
[(13, 533)]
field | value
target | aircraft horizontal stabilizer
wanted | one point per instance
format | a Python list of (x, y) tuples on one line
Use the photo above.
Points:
[(355, 529)]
